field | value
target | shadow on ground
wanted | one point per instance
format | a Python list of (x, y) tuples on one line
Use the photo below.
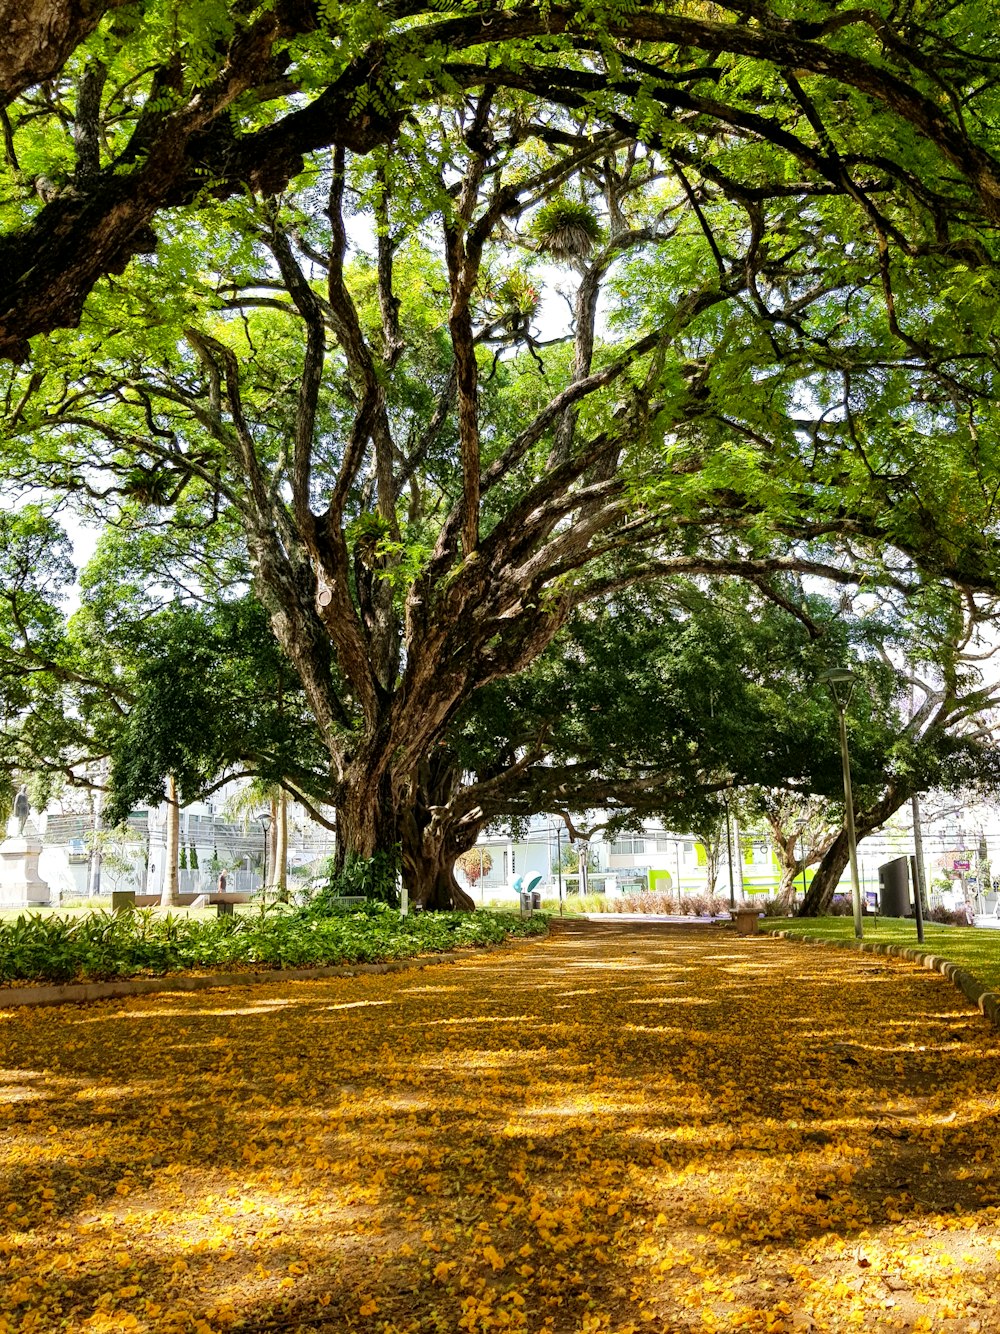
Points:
[(621, 1128)]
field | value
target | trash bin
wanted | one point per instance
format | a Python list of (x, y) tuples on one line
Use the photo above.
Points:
[(525, 901), (894, 887), (536, 899)]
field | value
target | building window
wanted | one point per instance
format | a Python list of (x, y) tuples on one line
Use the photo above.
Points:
[(628, 847)]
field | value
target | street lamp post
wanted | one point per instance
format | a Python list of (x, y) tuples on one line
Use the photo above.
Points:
[(840, 682), (265, 824)]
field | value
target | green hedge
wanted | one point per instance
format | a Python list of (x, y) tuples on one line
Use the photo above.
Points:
[(104, 945)]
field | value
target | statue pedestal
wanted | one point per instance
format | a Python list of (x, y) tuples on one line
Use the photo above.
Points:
[(20, 883)]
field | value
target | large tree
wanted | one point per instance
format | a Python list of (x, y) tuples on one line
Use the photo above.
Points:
[(425, 492), (430, 470)]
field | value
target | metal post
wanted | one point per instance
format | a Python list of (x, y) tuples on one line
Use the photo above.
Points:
[(918, 908), (94, 870), (852, 838), (265, 824), (481, 888), (919, 877), (729, 849), (559, 866)]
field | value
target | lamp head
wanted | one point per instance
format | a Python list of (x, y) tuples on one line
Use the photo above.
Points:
[(840, 682), (265, 819)]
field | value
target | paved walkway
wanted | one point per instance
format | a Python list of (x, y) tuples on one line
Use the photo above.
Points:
[(623, 1128)]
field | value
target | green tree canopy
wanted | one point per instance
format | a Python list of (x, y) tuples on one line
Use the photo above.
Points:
[(116, 114), (775, 238)]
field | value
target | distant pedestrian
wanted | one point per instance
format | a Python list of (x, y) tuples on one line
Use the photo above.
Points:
[(221, 887)]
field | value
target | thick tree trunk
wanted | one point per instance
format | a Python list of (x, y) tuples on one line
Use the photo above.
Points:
[(790, 865), (169, 896), (430, 842), (712, 843), (434, 888), (366, 818), (37, 37), (824, 883), (788, 885), (374, 816)]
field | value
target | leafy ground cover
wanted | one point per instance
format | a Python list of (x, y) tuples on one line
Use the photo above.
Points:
[(100, 945), (973, 948), (619, 1129)]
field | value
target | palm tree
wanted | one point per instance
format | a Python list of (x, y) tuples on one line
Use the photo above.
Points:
[(243, 807)]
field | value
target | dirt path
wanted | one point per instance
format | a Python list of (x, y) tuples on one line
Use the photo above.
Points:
[(618, 1129)]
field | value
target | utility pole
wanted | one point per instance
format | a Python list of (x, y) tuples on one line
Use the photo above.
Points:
[(559, 866)]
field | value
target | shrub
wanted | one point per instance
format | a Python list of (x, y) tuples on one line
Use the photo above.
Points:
[(104, 945), (704, 905), (645, 902), (374, 878), (649, 901), (948, 916), (772, 907)]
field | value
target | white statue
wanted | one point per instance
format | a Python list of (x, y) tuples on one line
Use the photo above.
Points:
[(20, 883), (22, 808)]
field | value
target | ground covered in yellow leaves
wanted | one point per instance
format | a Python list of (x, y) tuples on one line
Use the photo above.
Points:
[(621, 1129)]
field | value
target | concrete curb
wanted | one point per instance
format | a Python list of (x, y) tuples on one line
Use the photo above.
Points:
[(986, 1001), (76, 993)]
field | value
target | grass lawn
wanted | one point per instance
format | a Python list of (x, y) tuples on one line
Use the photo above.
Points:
[(971, 948)]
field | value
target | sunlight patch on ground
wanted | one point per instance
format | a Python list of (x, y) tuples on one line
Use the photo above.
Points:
[(367, 1156)]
